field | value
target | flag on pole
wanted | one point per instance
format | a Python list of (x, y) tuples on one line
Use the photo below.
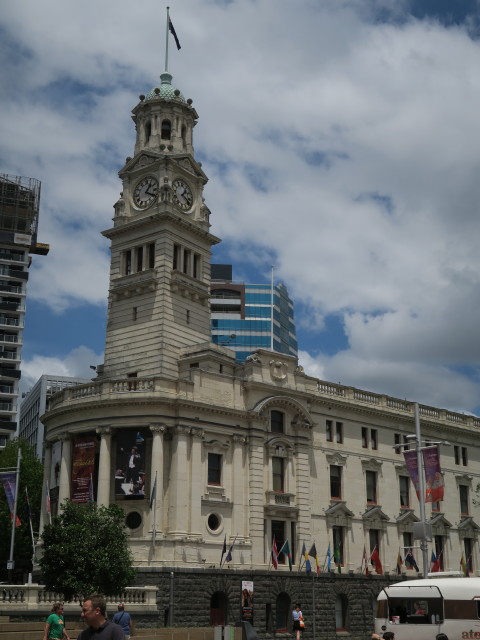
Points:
[(274, 554), (9, 481), (153, 494), (30, 519), (463, 565), (365, 562), (224, 549), (286, 552), (435, 563), (375, 560), (399, 564), (172, 31), (338, 559), (329, 558), (229, 554), (90, 489), (308, 565), (313, 553), (410, 561)]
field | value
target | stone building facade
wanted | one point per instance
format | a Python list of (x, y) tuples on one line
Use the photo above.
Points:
[(203, 451)]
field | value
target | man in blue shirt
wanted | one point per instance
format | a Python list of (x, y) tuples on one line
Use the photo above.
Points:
[(123, 619)]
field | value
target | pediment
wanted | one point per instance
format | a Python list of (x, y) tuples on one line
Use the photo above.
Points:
[(468, 524), (407, 516), (371, 464), (439, 520), (336, 459), (144, 159), (302, 416), (339, 509), (375, 513)]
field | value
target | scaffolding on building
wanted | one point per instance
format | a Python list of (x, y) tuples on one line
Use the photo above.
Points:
[(19, 204)]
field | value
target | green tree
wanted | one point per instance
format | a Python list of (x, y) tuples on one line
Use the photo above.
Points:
[(86, 550), (31, 476)]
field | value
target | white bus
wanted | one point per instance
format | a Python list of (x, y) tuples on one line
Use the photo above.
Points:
[(419, 609)]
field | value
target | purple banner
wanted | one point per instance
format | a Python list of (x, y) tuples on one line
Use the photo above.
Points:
[(9, 481), (412, 468), (434, 482)]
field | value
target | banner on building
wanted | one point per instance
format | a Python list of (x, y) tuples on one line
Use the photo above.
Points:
[(83, 467), (9, 481), (247, 600), (412, 467), (434, 482), (130, 463)]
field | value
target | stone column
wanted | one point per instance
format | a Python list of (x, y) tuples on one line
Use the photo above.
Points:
[(257, 499), (156, 471), (197, 483), (178, 508), (239, 477), (104, 466), (47, 466), (65, 484)]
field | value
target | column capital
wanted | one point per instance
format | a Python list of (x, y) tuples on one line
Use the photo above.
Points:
[(47, 444), (181, 430), (65, 437), (104, 431), (158, 428), (239, 439), (197, 433)]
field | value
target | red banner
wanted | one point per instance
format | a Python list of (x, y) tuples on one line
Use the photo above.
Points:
[(82, 468), (434, 482)]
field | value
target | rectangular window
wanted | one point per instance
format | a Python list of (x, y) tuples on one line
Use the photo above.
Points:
[(406, 443), (196, 266), (439, 551), (276, 421), (456, 451), (468, 546), (397, 442), (365, 437), (374, 438), (338, 535), (278, 474), (407, 542), (329, 430), (371, 485), (214, 468), (176, 255), (335, 481), (339, 432), (404, 482), (436, 506), (278, 532), (464, 456), (187, 255), (374, 539), (127, 263), (139, 252), (463, 494), (151, 255)]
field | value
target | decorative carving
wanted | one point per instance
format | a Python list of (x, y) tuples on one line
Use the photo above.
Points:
[(158, 428), (299, 369), (336, 459), (371, 464), (253, 359), (104, 431), (278, 369), (240, 439)]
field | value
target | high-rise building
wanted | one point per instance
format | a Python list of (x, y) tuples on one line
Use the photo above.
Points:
[(19, 210), (34, 405), (246, 317)]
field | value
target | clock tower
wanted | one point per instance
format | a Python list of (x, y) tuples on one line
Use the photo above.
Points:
[(160, 244)]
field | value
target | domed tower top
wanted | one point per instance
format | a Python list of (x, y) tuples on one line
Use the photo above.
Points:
[(164, 120)]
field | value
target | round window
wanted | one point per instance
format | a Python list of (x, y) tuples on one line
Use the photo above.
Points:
[(133, 520), (213, 522)]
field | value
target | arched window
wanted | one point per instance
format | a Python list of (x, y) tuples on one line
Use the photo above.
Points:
[(218, 609), (166, 129), (148, 130), (341, 613), (282, 610)]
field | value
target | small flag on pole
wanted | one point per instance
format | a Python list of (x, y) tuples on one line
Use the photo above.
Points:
[(375, 560), (435, 563), (274, 554), (463, 565), (9, 481), (399, 563), (365, 562), (313, 554), (308, 565), (153, 495), (410, 561), (229, 554), (172, 31), (337, 556), (329, 558), (224, 549), (286, 552)]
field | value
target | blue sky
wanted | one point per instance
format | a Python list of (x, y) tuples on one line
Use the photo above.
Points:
[(340, 139)]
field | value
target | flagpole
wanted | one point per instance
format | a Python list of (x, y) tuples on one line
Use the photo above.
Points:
[(166, 40), (31, 533), (154, 526), (421, 488), (11, 563)]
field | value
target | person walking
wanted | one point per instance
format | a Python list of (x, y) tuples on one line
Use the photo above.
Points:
[(94, 613), (297, 621), (124, 619), (55, 624)]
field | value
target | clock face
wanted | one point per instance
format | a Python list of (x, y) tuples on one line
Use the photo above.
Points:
[(145, 192), (182, 195)]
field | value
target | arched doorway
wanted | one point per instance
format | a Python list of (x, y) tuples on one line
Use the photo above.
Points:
[(282, 612), (218, 609)]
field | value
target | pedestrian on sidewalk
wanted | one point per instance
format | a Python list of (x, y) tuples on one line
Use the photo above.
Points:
[(55, 624), (124, 619)]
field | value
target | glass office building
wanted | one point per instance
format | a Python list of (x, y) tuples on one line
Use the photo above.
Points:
[(242, 315)]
